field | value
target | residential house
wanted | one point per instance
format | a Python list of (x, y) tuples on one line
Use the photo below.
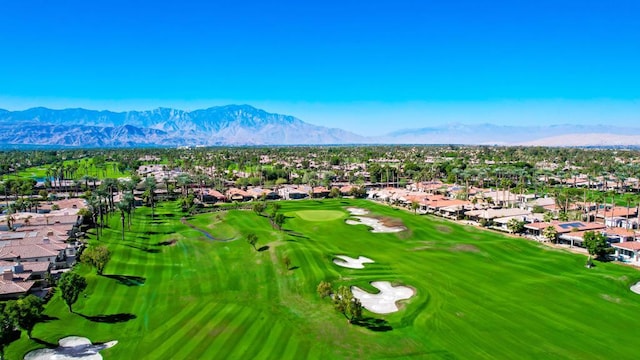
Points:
[(235, 194), (628, 252), (574, 227), (292, 192), (210, 195), (260, 193), (483, 215), (320, 192), (20, 278)]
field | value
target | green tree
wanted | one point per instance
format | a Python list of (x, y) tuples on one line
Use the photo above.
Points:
[(335, 193), (286, 261), (150, 193), (596, 244), (258, 207), (124, 208), (550, 233), (324, 289), (515, 225), (415, 206), (25, 312), (344, 302), (7, 331), (187, 202), (358, 192), (252, 239), (275, 207), (71, 286), (279, 219), (97, 256)]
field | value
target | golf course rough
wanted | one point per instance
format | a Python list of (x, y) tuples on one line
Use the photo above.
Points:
[(201, 299)]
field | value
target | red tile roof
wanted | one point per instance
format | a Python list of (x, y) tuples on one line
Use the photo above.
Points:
[(629, 245), (15, 287)]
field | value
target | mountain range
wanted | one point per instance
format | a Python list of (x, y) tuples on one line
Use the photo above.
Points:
[(246, 125)]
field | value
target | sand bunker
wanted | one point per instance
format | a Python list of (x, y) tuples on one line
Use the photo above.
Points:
[(357, 211), (375, 224), (636, 288), (349, 262), (385, 301), (71, 348)]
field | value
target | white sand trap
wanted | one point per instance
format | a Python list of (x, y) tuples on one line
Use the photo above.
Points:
[(71, 348), (357, 211), (636, 288), (375, 225), (349, 262), (383, 302)]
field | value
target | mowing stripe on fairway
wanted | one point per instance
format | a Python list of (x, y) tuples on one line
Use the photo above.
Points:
[(174, 339), (204, 340), (479, 294)]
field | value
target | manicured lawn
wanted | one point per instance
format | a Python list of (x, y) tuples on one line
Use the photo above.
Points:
[(170, 292), (85, 167), (320, 215)]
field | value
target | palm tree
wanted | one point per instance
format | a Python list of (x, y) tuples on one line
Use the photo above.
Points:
[(109, 185), (124, 208), (100, 194), (10, 219), (183, 181), (149, 193)]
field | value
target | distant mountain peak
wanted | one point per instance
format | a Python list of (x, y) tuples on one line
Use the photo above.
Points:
[(218, 125)]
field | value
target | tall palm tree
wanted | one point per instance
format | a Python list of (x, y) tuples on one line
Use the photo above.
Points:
[(101, 194), (123, 206), (149, 193), (94, 206), (131, 204)]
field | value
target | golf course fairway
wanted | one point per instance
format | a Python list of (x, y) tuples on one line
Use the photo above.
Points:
[(170, 292)]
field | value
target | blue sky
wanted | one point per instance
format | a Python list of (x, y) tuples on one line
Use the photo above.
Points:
[(369, 67)]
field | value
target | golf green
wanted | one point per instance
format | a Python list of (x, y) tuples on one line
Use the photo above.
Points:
[(320, 215), (169, 292)]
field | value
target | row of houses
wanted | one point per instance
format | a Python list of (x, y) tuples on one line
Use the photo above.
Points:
[(286, 192), (34, 244), (618, 224)]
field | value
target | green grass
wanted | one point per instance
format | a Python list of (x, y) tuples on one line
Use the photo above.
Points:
[(84, 167), (479, 294), (320, 215)]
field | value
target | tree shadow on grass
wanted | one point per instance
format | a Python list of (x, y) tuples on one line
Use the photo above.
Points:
[(145, 249), (110, 319), (47, 318), (167, 243), (263, 248), (294, 267), (373, 324), (128, 280), (157, 232), (296, 234), (44, 343)]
